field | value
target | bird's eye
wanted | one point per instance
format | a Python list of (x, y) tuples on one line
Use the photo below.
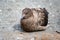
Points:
[(26, 13)]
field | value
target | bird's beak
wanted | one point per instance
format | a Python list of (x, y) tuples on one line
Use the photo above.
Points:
[(23, 16)]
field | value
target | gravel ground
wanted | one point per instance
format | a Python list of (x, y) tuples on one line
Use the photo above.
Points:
[(10, 15)]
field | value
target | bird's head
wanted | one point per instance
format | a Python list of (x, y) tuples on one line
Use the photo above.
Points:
[(26, 13)]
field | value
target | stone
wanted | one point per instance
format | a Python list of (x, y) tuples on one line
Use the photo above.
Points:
[(50, 36)]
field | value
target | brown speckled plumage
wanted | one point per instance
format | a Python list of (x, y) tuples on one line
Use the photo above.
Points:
[(34, 19)]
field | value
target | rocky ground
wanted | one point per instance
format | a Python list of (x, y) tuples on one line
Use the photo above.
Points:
[(10, 15)]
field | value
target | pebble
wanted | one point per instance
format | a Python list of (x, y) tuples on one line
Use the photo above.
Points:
[(0, 10), (32, 38)]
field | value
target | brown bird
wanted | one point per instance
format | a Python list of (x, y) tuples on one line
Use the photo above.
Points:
[(34, 19)]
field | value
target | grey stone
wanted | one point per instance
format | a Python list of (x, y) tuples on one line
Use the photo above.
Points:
[(11, 11)]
